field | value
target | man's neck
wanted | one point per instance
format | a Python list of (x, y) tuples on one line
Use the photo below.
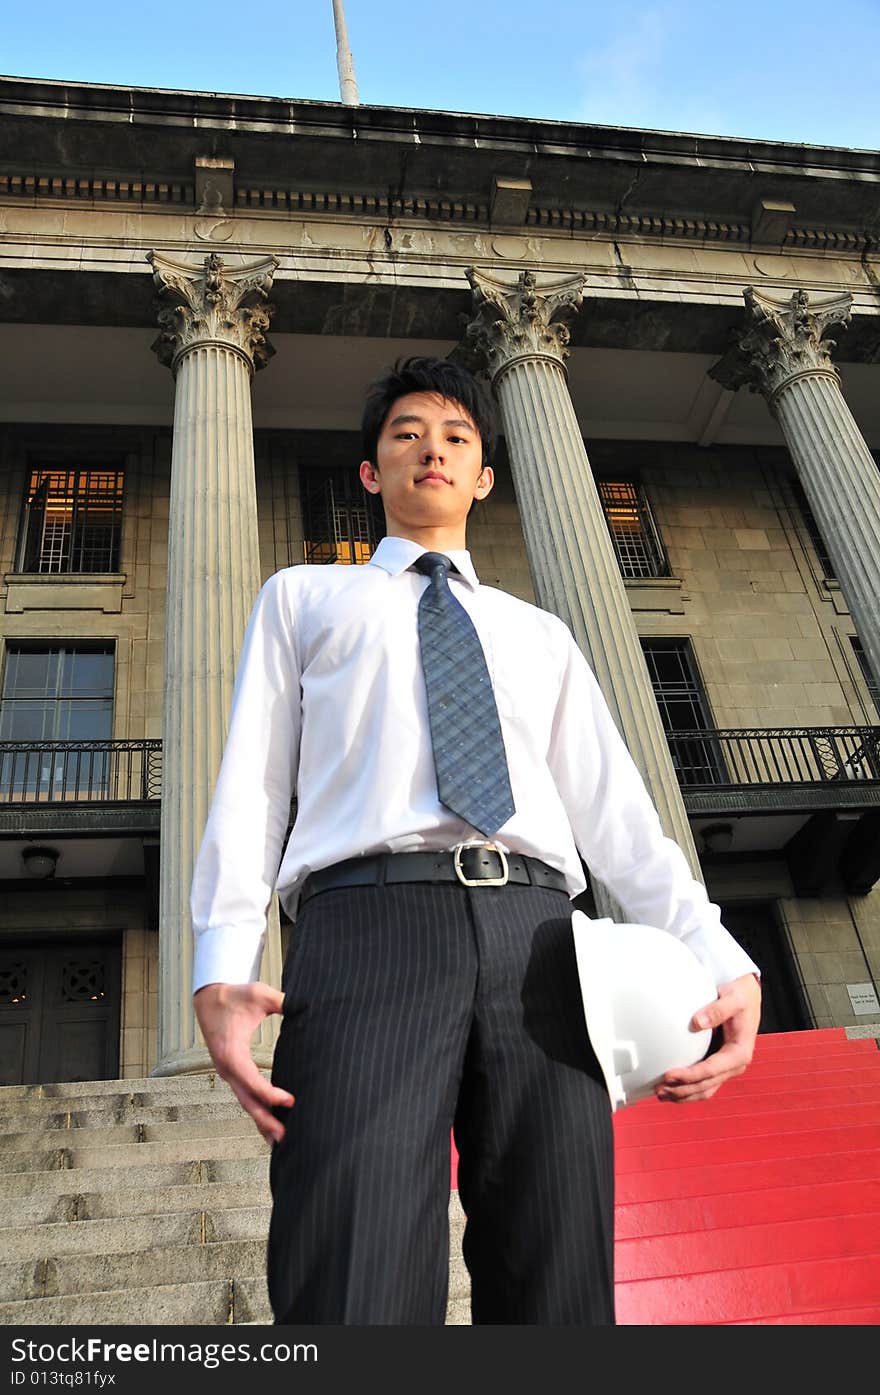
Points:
[(433, 539)]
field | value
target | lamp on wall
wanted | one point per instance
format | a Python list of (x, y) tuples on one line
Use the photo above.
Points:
[(40, 862), (717, 837)]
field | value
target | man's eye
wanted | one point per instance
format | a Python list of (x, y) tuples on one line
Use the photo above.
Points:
[(459, 440)]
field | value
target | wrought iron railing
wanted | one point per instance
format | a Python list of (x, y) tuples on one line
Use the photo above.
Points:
[(80, 772), (776, 756), (47, 772)]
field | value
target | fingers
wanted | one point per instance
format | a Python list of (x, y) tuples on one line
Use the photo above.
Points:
[(272, 1129), (257, 1095), (742, 995), (270, 999), (228, 1015), (705, 1078), (727, 1063), (716, 1014), (737, 1010), (254, 1092)]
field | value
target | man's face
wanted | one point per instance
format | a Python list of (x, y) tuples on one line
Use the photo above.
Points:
[(429, 456)]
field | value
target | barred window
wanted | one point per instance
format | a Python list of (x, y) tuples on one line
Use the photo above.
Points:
[(341, 522), (870, 680), (815, 536), (633, 530), (54, 693), (72, 521), (683, 707)]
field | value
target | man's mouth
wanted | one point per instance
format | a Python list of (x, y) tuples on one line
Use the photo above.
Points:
[(432, 475)]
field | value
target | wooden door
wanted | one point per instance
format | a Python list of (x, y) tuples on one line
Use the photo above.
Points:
[(59, 1010)]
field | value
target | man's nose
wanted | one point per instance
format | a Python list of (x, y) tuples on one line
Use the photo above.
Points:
[(431, 449)]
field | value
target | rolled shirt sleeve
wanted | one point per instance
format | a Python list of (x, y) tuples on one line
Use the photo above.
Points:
[(617, 828), (238, 860)]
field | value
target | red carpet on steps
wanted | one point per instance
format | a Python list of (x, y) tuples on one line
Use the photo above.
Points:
[(760, 1206)]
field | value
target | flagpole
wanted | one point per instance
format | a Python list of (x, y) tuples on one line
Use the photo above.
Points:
[(344, 61)]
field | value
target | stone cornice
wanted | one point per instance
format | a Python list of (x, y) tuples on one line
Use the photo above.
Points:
[(33, 97), (378, 207), (95, 188), (84, 141)]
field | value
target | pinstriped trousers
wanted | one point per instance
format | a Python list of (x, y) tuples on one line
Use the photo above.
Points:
[(410, 1010)]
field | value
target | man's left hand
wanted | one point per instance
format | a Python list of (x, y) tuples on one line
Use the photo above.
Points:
[(737, 1011)]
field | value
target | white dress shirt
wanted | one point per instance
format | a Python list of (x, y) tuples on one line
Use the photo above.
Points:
[(330, 702)]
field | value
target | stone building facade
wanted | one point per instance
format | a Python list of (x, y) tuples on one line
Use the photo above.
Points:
[(194, 292)]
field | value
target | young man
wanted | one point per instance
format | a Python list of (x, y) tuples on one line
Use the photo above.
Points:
[(432, 984)]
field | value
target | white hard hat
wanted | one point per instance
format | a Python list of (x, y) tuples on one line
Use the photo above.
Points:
[(641, 987)]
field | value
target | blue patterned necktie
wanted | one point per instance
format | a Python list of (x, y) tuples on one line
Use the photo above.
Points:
[(469, 756)]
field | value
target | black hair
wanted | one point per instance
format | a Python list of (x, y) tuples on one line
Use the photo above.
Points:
[(437, 375)]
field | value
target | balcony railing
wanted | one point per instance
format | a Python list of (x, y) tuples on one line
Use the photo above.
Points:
[(89, 772), (80, 772), (776, 756)]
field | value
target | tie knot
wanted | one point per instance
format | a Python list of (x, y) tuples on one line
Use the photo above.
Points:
[(436, 565)]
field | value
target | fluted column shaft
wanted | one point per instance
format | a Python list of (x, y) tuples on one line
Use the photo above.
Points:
[(574, 568), (842, 485), (213, 579), (783, 354)]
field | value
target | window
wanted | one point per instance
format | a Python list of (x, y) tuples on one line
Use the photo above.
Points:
[(72, 521), (683, 707), (341, 521), (52, 694), (871, 682), (633, 530), (812, 528)]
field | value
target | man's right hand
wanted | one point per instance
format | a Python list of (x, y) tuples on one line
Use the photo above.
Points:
[(229, 1014)]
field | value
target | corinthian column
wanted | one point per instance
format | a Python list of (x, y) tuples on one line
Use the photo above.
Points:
[(784, 354), (520, 334), (212, 336)]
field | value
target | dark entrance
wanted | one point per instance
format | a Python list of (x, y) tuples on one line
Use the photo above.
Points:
[(59, 1010), (755, 925)]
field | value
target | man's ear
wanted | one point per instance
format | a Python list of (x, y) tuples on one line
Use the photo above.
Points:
[(369, 475), (485, 481)]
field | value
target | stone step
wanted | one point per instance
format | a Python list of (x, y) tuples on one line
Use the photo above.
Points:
[(251, 1302), (69, 1181), (458, 1312), (142, 1202), (131, 1110), (94, 1288), (114, 1236), (43, 1209), (68, 1275), (96, 1256), (12, 1095), (251, 1305), (209, 1303), (113, 1135), (120, 1100), (127, 1234), (136, 1155)]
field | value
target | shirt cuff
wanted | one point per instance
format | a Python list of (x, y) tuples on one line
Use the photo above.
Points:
[(726, 960), (226, 954)]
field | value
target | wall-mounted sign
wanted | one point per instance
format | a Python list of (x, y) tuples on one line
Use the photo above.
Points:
[(863, 997)]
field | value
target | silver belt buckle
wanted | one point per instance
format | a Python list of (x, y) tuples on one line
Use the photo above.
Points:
[(480, 881)]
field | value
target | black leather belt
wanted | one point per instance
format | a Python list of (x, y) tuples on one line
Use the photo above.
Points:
[(470, 864)]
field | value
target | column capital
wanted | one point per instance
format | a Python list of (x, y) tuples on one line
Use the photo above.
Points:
[(785, 340), (212, 304), (520, 320)]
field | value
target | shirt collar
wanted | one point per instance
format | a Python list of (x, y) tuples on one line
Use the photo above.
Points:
[(395, 555)]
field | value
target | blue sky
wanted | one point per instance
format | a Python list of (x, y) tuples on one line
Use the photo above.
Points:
[(794, 70)]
